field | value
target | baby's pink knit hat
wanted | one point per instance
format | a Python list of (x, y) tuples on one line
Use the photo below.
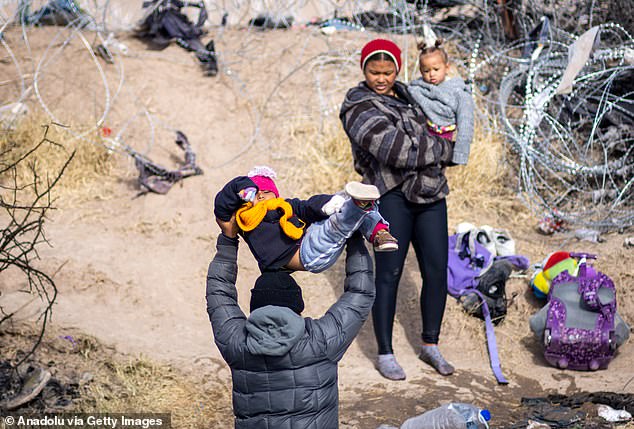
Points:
[(263, 177)]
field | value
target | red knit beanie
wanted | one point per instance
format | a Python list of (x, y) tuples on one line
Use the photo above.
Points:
[(381, 46), (263, 177)]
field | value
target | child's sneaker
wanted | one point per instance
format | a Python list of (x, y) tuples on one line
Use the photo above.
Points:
[(363, 195), (361, 191), (384, 241)]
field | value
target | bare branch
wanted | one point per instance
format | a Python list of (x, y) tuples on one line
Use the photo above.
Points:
[(27, 205)]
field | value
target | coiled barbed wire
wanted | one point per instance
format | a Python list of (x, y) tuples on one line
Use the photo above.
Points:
[(575, 154), (29, 75), (575, 151), (573, 157)]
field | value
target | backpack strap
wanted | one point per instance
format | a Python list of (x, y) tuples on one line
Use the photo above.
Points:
[(491, 341), (590, 281), (461, 276), (465, 249)]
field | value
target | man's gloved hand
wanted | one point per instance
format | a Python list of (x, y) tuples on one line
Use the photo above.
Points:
[(228, 200), (333, 205)]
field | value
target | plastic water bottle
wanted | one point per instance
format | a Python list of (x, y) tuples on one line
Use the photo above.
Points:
[(474, 417), (455, 415)]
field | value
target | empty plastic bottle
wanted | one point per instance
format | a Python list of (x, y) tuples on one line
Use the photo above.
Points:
[(591, 235), (455, 415)]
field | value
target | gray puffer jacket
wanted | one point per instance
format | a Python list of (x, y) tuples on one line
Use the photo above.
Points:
[(283, 366)]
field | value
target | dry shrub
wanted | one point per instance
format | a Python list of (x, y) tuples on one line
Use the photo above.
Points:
[(483, 174), (109, 382), (90, 174), (142, 386), (322, 161), (485, 186)]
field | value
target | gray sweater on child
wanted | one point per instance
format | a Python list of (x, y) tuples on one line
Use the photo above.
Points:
[(446, 104)]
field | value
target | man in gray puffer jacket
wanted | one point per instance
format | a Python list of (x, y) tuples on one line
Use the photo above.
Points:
[(283, 366)]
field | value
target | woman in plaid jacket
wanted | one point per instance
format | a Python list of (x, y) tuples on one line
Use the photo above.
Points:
[(393, 150)]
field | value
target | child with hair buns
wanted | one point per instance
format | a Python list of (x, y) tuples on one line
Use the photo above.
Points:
[(446, 101), (300, 235)]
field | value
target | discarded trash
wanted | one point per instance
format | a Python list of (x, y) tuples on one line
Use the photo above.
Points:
[(544, 411), (69, 338), (551, 223), (156, 178), (578, 55), (455, 415), (612, 415), (333, 25), (269, 22), (164, 22), (102, 51), (532, 424), (112, 43), (58, 12), (31, 387), (591, 235)]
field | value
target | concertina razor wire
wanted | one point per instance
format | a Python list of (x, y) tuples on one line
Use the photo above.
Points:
[(572, 152)]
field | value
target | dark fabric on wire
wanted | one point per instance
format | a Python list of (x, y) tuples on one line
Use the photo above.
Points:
[(164, 22), (158, 179)]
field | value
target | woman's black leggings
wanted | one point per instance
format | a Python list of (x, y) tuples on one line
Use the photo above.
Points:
[(425, 226)]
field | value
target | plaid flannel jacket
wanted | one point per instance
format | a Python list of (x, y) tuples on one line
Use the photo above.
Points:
[(391, 145)]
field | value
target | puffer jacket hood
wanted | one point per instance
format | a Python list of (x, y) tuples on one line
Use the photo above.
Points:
[(272, 330)]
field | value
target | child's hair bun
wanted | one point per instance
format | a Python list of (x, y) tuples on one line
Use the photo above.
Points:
[(424, 46)]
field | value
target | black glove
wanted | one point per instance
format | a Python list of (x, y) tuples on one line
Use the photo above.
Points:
[(228, 200)]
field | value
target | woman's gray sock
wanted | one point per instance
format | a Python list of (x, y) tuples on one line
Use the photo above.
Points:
[(389, 367), (432, 356)]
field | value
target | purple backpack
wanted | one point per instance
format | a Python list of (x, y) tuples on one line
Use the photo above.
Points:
[(579, 331)]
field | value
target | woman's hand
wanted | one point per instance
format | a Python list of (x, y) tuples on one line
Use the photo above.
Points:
[(229, 228)]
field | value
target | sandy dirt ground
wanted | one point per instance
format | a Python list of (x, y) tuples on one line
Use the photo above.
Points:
[(131, 270)]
